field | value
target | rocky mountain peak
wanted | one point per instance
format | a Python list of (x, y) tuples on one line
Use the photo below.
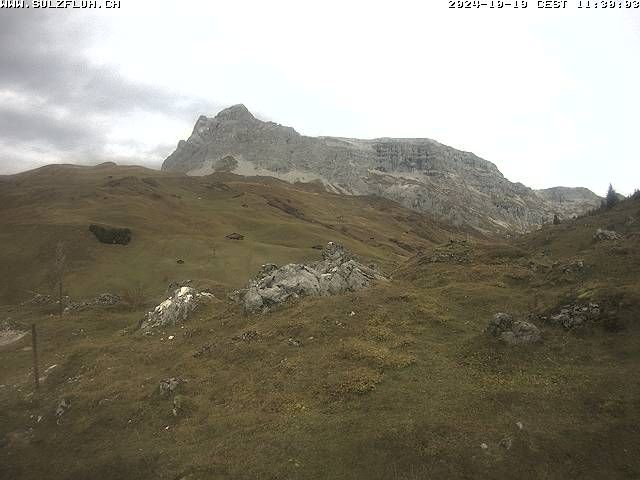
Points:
[(419, 173), (235, 112)]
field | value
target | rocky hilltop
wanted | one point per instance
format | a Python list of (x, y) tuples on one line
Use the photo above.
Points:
[(419, 173), (570, 200)]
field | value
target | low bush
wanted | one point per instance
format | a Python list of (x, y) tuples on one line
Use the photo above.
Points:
[(111, 235)]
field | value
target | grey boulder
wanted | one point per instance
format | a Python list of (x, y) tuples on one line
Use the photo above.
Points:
[(513, 332), (604, 235), (577, 315), (175, 309), (501, 322), (521, 332), (336, 273)]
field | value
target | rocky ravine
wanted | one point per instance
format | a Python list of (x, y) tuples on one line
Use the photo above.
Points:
[(419, 173)]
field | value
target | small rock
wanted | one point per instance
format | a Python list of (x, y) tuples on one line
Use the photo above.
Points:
[(506, 443), (107, 299), (484, 446), (168, 386), (235, 236), (573, 267), (520, 425), (512, 332), (501, 322), (605, 235), (521, 332), (39, 299), (175, 309), (177, 405), (63, 406), (173, 286), (249, 335), (293, 342), (171, 337)]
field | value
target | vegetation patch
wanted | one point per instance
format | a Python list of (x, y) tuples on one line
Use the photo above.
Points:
[(358, 380), (111, 235)]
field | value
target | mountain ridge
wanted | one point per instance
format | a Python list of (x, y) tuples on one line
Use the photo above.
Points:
[(420, 173)]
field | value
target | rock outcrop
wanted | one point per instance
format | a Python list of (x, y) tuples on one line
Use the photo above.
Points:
[(336, 273), (604, 235), (168, 386), (419, 173), (102, 300), (175, 309), (576, 315), (39, 299), (513, 332), (63, 407), (11, 332), (570, 202)]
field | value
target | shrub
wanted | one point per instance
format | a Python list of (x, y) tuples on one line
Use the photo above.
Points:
[(112, 235)]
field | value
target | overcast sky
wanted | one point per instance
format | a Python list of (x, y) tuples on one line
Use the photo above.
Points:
[(552, 97)]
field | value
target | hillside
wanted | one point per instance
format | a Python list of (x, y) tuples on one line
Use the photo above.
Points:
[(174, 217), (419, 173), (397, 381)]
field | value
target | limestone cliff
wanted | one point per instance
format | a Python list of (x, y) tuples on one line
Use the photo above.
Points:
[(419, 173), (570, 201)]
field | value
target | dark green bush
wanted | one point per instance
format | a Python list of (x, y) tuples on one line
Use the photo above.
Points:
[(112, 235)]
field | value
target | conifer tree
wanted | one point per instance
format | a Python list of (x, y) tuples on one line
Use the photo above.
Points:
[(612, 197)]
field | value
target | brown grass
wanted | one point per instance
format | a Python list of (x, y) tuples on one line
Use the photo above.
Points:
[(408, 387), (135, 297)]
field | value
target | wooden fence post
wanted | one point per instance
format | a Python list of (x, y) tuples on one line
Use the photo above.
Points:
[(36, 374)]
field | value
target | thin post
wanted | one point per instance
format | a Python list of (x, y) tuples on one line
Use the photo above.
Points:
[(60, 297), (34, 344)]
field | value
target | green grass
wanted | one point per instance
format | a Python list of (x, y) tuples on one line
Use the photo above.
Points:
[(406, 388), (177, 217)]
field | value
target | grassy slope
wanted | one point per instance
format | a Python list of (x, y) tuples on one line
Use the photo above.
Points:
[(177, 217), (406, 388)]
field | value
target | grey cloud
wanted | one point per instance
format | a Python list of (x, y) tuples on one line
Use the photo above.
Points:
[(11, 164), (41, 53), (19, 126), (41, 57)]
